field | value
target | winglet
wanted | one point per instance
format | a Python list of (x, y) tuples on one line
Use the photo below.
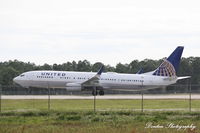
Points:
[(94, 80), (140, 71), (100, 70)]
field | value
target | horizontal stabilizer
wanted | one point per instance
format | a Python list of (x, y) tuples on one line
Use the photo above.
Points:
[(185, 77)]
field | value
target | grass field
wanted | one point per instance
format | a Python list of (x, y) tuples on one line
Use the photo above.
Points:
[(112, 116), (102, 105)]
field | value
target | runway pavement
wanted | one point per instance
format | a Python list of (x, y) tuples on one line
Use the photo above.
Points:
[(146, 96)]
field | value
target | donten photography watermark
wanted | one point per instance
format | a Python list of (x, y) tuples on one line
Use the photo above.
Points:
[(170, 126)]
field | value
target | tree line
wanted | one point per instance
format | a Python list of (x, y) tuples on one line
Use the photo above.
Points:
[(10, 69)]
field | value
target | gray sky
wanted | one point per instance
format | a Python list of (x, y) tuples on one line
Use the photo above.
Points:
[(109, 31)]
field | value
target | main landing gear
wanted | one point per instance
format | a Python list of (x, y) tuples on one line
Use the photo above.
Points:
[(100, 92)]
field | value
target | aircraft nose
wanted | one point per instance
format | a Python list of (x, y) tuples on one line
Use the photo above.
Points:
[(16, 80)]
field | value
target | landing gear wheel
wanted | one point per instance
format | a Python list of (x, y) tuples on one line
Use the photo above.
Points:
[(101, 92)]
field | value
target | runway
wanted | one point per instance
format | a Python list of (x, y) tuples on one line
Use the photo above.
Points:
[(114, 97)]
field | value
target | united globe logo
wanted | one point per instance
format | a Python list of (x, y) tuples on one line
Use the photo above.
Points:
[(165, 69)]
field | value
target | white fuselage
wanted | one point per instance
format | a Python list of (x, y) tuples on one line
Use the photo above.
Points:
[(60, 79)]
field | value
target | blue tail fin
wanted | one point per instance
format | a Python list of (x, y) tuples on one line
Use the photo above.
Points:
[(170, 66), (175, 57)]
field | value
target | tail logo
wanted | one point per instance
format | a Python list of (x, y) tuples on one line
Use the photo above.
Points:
[(165, 69)]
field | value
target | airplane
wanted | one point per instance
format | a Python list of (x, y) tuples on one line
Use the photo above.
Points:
[(161, 77)]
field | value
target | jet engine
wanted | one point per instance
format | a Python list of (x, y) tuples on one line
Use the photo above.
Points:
[(73, 87)]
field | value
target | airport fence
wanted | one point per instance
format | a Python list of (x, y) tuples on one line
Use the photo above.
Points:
[(179, 97)]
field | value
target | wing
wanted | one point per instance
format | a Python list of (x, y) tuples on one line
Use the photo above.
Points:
[(94, 81)]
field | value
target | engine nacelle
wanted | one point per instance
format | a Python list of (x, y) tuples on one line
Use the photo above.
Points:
[(73, 87)]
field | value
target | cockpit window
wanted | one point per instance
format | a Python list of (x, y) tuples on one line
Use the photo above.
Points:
[(22, 75)]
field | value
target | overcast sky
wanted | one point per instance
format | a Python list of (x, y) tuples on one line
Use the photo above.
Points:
[(107, 31)]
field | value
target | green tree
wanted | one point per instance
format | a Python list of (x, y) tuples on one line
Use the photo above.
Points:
[(74, 66), (134, 66), (67, 66), (46, 67), (7, 74), (10, 69), (196, 70), (84, 66), (109, 68), (120, 68)]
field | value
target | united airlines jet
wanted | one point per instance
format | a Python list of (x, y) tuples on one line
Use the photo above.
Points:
[(163, 76)]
